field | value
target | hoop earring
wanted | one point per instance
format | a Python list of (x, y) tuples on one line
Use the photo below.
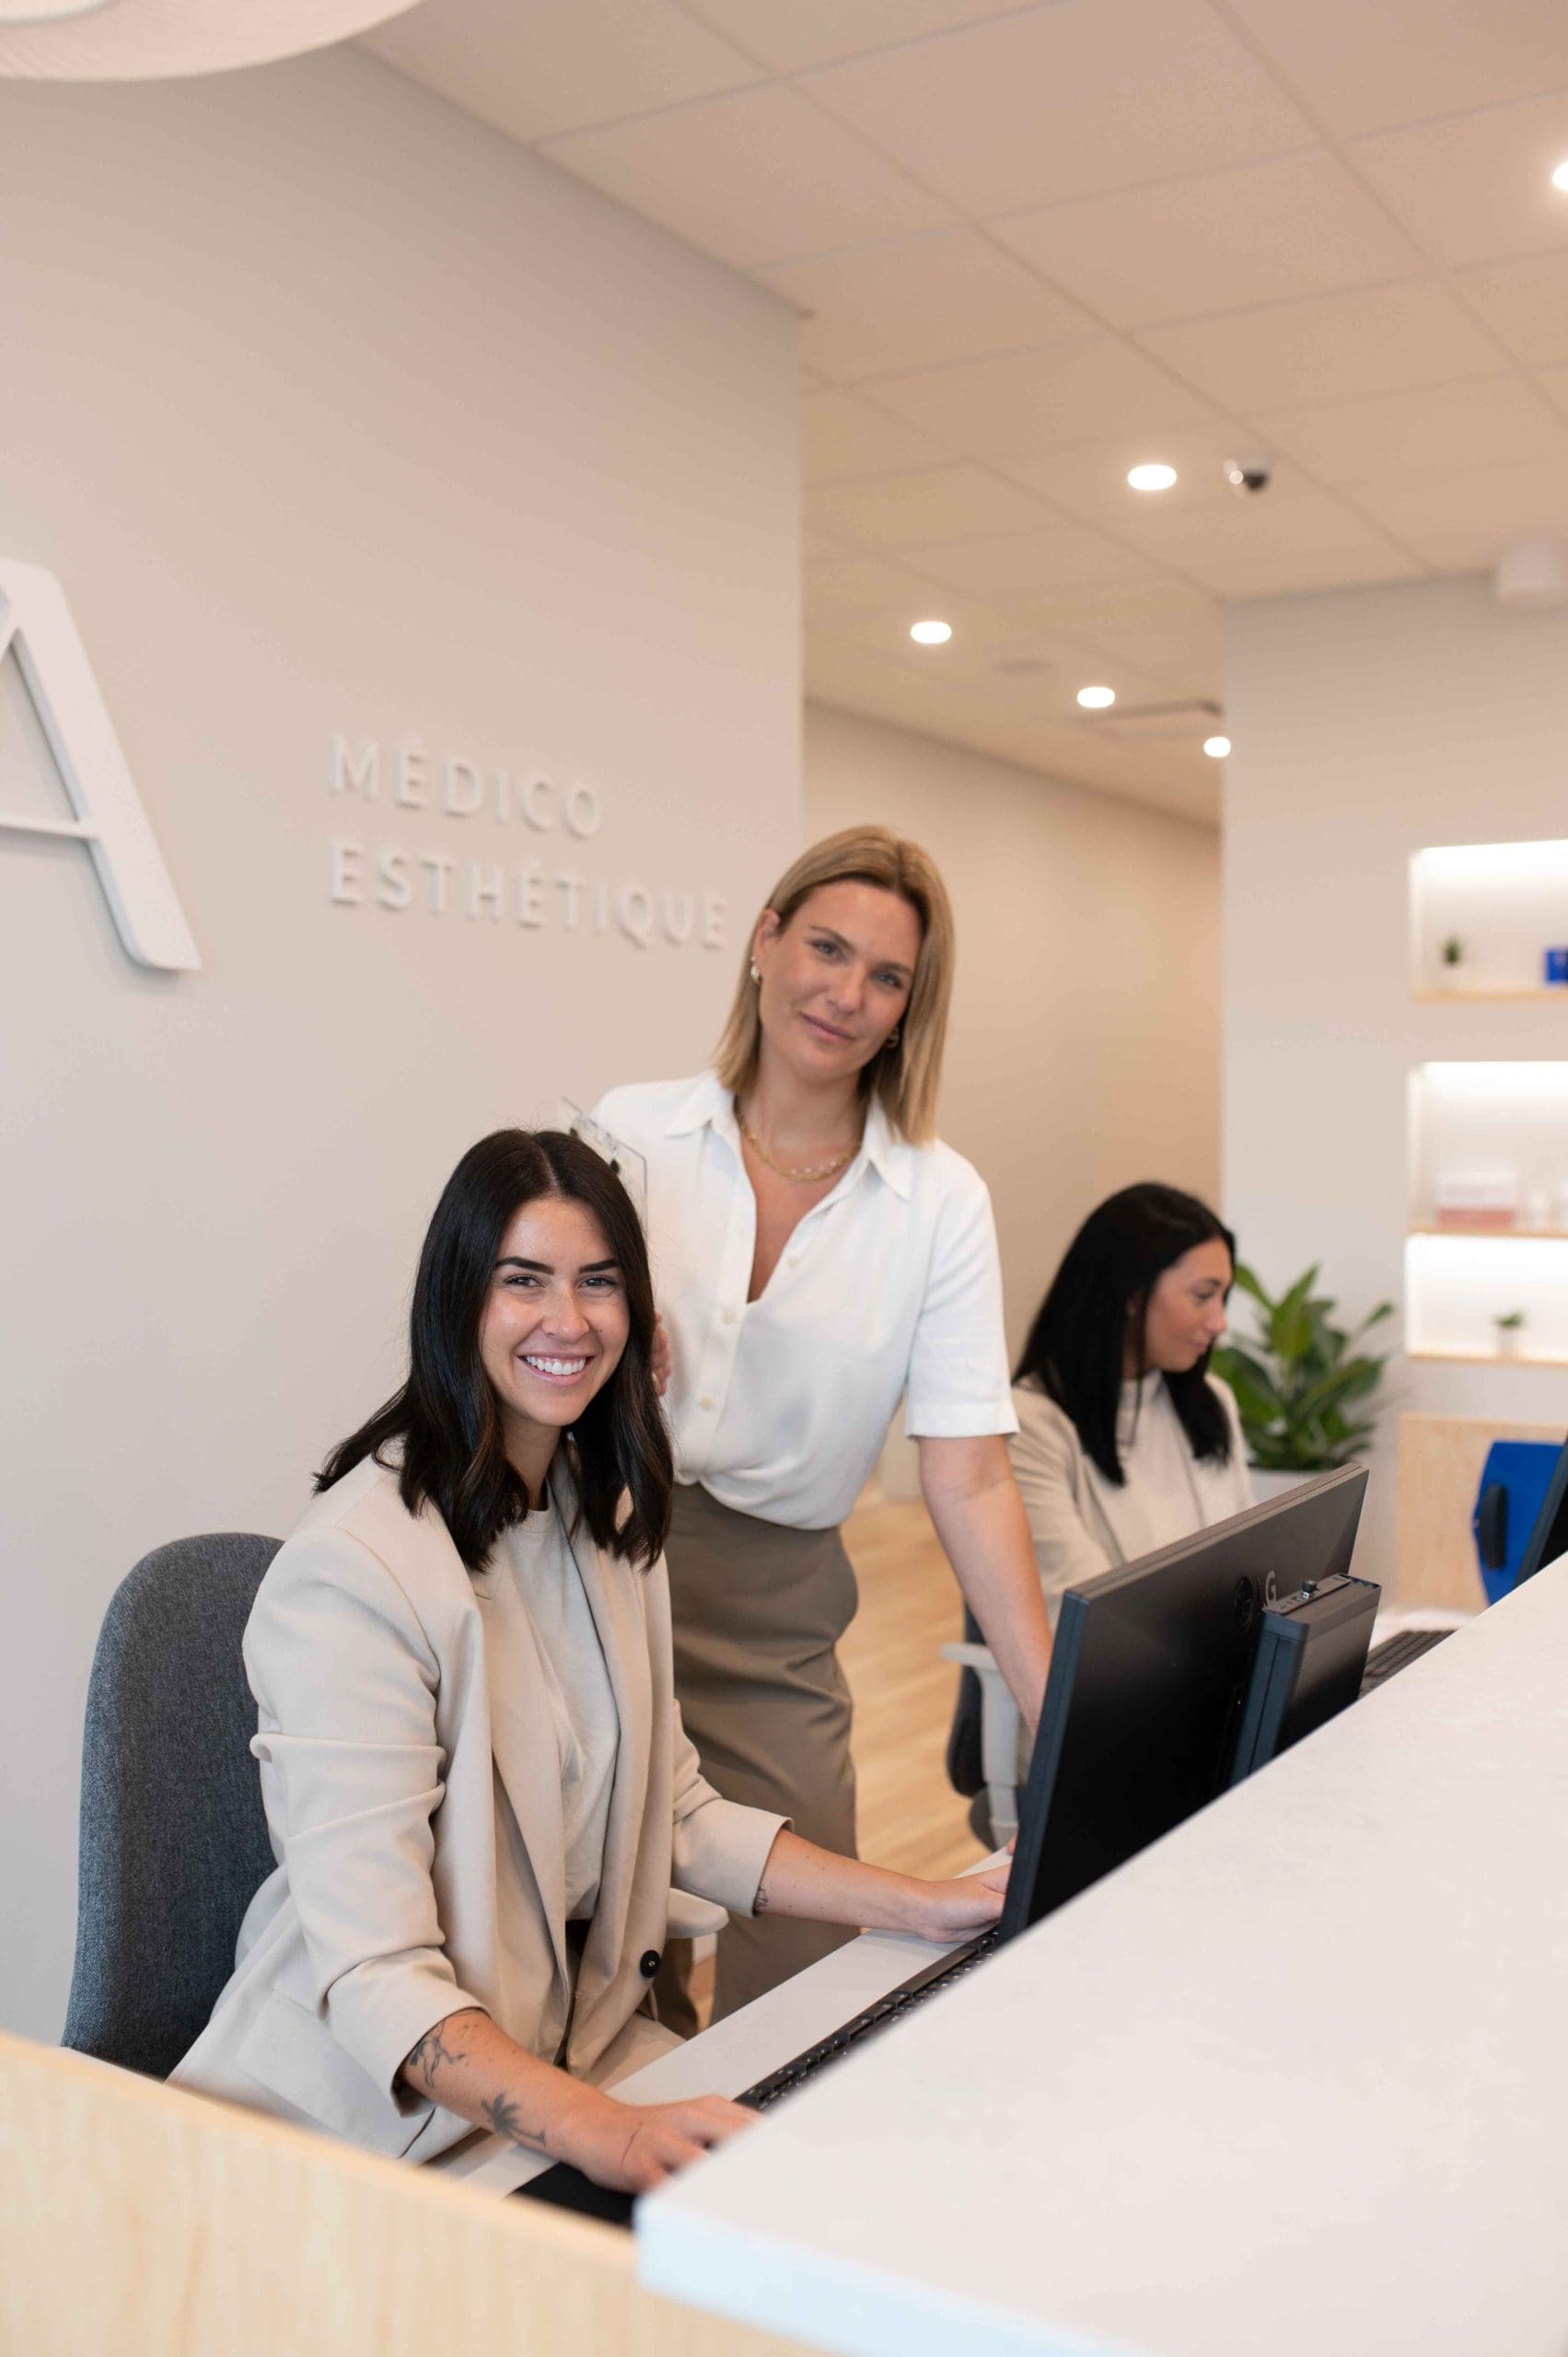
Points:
[(894, 1036)]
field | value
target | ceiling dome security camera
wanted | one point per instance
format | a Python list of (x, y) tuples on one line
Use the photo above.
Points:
[(1251, 472)]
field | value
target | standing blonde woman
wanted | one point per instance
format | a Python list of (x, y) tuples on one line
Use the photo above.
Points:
[(818, 1252)]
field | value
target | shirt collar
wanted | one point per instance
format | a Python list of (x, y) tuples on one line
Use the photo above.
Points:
[(707, 1103)]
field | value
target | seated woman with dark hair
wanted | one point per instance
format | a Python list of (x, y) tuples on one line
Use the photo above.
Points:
[(474, 1768), (1125, 1440)]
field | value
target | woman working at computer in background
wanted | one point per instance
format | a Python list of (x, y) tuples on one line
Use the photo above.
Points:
[(820, 1253), (474, 1773), (1125, 1440)]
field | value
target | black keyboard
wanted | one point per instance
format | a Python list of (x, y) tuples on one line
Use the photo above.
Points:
[(568, 2188), (1397, 1652), (875, 2019)]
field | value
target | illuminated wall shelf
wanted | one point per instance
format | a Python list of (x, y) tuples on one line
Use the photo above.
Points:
[(1501, 1234), (1489, 1358), (1506, 903), (1482, 997)]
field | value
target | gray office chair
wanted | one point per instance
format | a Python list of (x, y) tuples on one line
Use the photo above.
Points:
[(174, 1838)]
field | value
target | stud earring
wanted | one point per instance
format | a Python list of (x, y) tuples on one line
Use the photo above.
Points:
[(755, 975)]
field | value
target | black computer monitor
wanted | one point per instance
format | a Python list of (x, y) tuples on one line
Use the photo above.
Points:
[(1548, 1540), (1147, 1679)]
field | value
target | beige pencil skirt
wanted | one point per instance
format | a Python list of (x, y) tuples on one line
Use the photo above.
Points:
[(759, 1611)]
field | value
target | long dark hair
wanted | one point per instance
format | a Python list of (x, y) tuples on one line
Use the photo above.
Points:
[(1074, 1349), (446, 1420)]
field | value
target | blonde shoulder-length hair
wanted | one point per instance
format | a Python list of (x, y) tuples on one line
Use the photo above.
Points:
[(905, 1076)]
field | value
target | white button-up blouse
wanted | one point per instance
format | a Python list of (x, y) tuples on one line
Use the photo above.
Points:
[(891, 1285)]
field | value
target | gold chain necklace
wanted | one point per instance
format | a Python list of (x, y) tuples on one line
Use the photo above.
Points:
[(812, 1174)]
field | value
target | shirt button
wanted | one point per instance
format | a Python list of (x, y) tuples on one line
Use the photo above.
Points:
[(707, 1401), (726, 1317), (648, 1963), (793, 1261)]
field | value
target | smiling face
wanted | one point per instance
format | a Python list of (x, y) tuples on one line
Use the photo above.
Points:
[(836, 979), (1186, 1313), (554, 1327)]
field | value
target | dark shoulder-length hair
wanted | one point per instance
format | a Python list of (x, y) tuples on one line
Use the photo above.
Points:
[(445, 1423), (1098, 1296)]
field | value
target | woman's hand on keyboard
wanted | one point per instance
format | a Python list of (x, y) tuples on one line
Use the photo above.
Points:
[(631, 2146), (955, 1910)]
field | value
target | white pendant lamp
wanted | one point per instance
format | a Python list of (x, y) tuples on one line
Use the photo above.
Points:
[(152, 41)]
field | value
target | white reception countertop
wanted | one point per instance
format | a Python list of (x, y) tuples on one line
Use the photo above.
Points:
[(1292, 2082)]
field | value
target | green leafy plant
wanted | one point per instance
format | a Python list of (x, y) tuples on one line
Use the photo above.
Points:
[(1453, 950), (1302, 1384), (1511, 1321)]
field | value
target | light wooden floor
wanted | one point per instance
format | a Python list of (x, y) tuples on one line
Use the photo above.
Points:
[(910, 1816)]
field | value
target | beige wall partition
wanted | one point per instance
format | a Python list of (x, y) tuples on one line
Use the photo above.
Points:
[(140, 2220), (431, 525), (1084, 1045)]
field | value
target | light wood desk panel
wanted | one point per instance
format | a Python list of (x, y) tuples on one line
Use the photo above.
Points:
[(139, 2220)]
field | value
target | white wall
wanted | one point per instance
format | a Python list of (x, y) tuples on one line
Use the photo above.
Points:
[(1083, 1051), (1370, 724), (333, 412)]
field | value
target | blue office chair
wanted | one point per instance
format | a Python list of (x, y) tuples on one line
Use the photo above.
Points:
[(1514, 1483), (174, 1842)]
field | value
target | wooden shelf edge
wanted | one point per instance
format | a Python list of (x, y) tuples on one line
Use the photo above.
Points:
[(1497, 1235), (1490, 1358)]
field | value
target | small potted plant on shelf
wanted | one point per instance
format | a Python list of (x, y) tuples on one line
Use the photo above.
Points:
[(1302, 1384), (1508, 1325), (1450, 957)]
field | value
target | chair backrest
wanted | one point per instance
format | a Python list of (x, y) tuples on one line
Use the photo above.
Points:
[(174, 1838)]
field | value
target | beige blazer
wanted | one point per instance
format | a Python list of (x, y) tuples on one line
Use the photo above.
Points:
[(1077, 1519), (390, 1700)]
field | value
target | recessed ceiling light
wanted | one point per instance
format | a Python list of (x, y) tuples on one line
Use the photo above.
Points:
[(1157, 476), (1560, 177), (931, 633), (1216, 747), (1096, 699)]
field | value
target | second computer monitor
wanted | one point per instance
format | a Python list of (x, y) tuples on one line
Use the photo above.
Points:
[(1148, 1678)]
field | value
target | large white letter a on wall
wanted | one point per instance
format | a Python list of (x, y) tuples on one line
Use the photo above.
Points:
[(36, 625)]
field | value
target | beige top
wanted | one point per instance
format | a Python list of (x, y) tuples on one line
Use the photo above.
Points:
[(1081, 1524), (543, 1584)]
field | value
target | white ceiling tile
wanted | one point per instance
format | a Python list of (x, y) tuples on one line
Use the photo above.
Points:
[(1331, 348), (1089, 479), (558, 64), (947, 295), (1063, 100), (1364, 64), (1462, 519), (789, 34), (1423, 432), (1157, 626), (938, 504), (1477, 186), (842, 437), (1295, 225), (862, 680), (754, 178), (1286, 539), (1034, 400), (1030, 561), (1525, 303), (843, 587)]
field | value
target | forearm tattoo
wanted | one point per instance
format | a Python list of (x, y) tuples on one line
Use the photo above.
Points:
[(760, 1904), (426, 2058), (507, 2121)]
